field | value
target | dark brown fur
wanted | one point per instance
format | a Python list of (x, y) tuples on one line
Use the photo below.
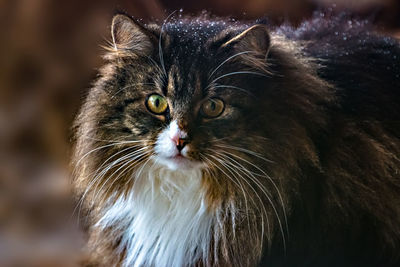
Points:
[(326, 121)]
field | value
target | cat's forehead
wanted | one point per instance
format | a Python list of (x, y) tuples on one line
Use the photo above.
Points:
[(191, 39), (185, 87), (187, 57), (194, 31)]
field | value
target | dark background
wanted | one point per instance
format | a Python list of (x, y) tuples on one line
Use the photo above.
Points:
[(49, 53)]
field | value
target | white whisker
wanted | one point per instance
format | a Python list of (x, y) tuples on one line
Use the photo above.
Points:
[(234, 87), (130, 85), (236, 73), (154, 63), (131, 159), (160, 53), (239, 186), (105, 146), (98, 176), (246, 151), (95, 173), (243, 170), (230, 58), (229, 165), (263, 189)]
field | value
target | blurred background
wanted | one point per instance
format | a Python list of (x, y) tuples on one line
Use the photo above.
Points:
[(49, 53)]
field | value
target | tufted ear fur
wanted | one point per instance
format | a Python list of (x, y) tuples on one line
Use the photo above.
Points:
[(253, 45), (131, 36), (256, 38)]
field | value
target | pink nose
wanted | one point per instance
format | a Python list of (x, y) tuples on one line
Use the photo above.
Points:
[(180, 142)]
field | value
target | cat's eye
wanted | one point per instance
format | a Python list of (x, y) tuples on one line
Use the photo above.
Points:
[(212, 107), (156, 103)]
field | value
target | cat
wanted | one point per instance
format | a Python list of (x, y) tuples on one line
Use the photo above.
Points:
[(212, 142)]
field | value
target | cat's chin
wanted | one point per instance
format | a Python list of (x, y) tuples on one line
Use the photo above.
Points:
[(179, 163)]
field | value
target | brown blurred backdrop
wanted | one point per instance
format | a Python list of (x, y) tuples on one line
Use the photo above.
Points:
[(49, 53)]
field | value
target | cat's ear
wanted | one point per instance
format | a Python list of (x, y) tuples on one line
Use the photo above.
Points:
[(256, 38), (129, 36)]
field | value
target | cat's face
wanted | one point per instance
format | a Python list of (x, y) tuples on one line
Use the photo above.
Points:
[(189, 102), (187, 119)]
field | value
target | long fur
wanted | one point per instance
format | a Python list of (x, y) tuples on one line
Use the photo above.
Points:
[(165, 220), (301, 169)]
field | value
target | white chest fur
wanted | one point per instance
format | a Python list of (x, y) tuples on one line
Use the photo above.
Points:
[(164, 220)]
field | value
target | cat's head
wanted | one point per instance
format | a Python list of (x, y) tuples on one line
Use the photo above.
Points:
[(219, 110), (197, 94), (184, 89)]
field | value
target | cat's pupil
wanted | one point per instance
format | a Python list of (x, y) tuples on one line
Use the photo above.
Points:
[(213, 105), (157, 102)]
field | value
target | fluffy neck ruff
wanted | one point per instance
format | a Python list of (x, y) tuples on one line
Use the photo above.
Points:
[(165, 220)]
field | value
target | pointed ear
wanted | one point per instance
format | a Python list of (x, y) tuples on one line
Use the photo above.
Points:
[(129, 35), (256, 38)]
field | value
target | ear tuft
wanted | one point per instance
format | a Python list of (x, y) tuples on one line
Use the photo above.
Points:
[(256, 38), (128, 34)]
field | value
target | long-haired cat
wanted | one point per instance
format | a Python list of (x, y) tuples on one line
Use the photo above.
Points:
[(207, 142)]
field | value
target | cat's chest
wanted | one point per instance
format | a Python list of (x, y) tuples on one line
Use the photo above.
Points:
[(165, 220)]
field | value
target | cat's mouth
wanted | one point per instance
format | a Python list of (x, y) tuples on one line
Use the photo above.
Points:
[(178, 161), (178, 156)]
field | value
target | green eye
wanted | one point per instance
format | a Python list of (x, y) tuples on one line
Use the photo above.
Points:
[(212, 107), (156, 104)]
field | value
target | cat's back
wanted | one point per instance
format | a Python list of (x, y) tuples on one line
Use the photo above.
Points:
[(362, 63), (360, 146)]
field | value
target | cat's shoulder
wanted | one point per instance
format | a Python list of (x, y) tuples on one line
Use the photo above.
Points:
[(361, 60)]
